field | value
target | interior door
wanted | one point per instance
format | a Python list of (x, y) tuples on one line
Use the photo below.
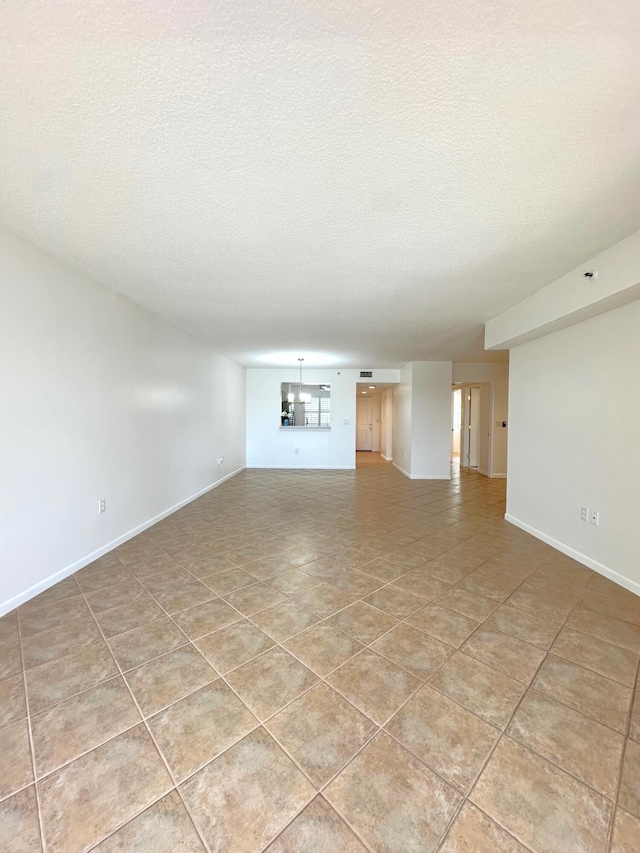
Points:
[(474, 427), (364, 424)]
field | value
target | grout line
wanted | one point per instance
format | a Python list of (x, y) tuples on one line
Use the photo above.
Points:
[(31, 743), (487, 526)]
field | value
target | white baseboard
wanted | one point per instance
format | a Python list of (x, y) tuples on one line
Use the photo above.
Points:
[(301, 467), (42, 585), (387, 458), (498, 476), (590, 563), (422, 476)]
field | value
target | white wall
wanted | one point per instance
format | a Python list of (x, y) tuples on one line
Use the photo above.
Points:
[(402, 420), (422, 420), (386, 442), (431, 420), (100, 399), (376, 418), (270, 446), (574, 406)]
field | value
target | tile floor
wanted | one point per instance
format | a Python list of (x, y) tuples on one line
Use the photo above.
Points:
[(325, 661)]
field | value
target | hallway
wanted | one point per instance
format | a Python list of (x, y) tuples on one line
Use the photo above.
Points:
[(324, 661)]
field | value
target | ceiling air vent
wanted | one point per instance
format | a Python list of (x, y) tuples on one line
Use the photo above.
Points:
[(366, 374)]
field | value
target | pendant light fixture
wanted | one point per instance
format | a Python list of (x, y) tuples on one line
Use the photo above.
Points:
[(302, 397)]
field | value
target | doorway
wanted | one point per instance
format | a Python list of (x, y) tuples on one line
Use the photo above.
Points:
[(472, 424), (456, 423), (364, 424)]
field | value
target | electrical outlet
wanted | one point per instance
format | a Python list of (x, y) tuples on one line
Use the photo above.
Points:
[(220, 460), (102, 506), (595, 518), (296, 450), (584, 513)]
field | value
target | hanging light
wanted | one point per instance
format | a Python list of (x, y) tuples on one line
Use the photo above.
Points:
[(302, 397)]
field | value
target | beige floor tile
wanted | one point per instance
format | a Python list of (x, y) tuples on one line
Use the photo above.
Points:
[(143, 644), (19, 826), (243, 799), (234, 645), (530, 628), (629, 796), (384, 570), (13, 705), (414, 651), (325, 599), (60, 591), (605, 628), (51, 615), (164, 827), (507, 654), (85, 801), (230, 581), (394, 802), (421, 584), (115, 596), (626, 833), (357, 583), (99, 576), (205, 618), (473, 832), (284, 620), (321, 731), (198, 728), (269, 682), (126, 617), (451, 740), (374, 685), (317, 829), (10, 657), (612, 601), (595, 654), (323, 648), (479, 688), (15, 758), (65, 731), (9, 626), (395, 601), (363, 622), (470, 604), (543, 807), (293, 580), (167, 679), (634, 725), (443, 624), (58, 642), (183, 596), (53, 682), (585, 691), (576, 743), (252, 599)]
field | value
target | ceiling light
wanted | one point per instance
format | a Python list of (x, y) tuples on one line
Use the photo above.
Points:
[(364, 392), (372, 386), (302, 397)]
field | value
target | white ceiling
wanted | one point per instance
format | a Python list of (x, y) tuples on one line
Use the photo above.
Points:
[(369, 181)]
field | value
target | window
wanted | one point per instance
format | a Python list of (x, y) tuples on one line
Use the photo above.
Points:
[(306, 406)]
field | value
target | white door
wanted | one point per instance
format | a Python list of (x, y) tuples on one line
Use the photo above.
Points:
[(474, 427), (364, 424)]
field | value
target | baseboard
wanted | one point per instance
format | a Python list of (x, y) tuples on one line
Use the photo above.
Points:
[(301, 468), (387, 458), (498, 476), (600, 568), (42, 585), (422, 476)]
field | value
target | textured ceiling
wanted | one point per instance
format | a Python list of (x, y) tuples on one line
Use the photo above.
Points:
[(370, 181)]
